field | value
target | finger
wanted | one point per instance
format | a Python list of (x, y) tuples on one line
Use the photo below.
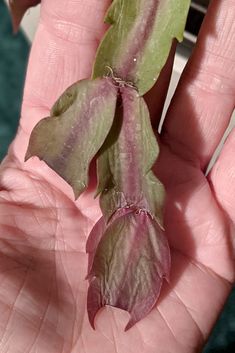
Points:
[(204, 100), (64, 48), (62, 53), (222, 177)]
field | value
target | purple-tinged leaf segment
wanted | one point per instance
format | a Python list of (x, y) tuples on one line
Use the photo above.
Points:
[(125, 161), (18, 9), (138, 43), (79, 122), (128, 266), (128, 252)]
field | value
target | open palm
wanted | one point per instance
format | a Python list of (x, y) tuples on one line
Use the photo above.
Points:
[(43, 231)]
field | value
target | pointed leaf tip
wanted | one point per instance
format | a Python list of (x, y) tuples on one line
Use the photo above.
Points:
[(79, 123), (93, 301), (93, 241), (128, 267)]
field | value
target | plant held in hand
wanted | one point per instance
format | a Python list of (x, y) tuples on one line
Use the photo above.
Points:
[(107, 117)]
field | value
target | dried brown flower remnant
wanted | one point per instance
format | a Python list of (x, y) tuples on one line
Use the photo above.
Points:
[(18, 9)]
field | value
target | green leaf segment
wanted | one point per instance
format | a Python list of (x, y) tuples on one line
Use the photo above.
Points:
[(138, 43), (107, 117)]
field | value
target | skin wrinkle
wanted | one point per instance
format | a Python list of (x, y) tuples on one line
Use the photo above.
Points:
[(68, 248), (73, 299), (220, 194), (57, 289), (140, 334), (14, 303), (115, 328), (205, 269), (227, 283), (113, 332), (63, 240), (168, 325), (21, 232), (188, 309), (77, 24), (36, 182), (38, 221), (216, 86), (190, 315), (83, 344), (108, 338), (41, 324), (24, 316), (33, 178), (211, 236)]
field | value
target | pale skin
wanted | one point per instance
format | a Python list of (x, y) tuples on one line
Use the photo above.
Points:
[(43, 231)]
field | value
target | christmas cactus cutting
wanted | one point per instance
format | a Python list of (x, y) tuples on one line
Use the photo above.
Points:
[(106, 118)]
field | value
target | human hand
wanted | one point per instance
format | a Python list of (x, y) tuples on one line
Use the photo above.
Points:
[(43, 231)]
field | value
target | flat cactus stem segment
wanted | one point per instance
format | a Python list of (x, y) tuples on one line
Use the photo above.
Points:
[(128, 266), (79, 123), (126, 159), (138, 43), (18, 9), (128, 251)]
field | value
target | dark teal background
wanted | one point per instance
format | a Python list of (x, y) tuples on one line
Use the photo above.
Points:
[(14, 50), (13, 59)]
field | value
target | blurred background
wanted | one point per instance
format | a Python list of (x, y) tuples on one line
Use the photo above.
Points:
[(14, 51)]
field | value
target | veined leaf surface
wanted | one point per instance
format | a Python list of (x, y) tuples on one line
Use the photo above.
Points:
[(125, 161), (127, 267), (79, 123), (138, 43)]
